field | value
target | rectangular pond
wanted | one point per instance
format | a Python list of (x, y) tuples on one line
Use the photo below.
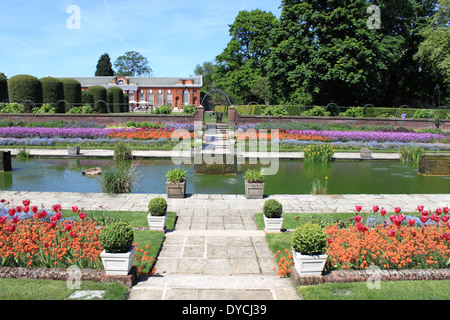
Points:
[(293, 177)]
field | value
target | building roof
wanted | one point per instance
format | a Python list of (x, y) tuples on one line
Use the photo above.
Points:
[(138, 81)]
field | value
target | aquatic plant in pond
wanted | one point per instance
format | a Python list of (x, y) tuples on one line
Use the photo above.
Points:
[(120, 178), (319, 186), (318, 153), (411, 154)]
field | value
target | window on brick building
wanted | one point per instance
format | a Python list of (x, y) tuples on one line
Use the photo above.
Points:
[(169, 98), (151, 99), (160, 99), (186, 97)]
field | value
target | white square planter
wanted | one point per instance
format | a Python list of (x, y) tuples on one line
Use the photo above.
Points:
[(73, 151), (273, 224), (254, 190), (309, 265), (118, 263), (157, 222)]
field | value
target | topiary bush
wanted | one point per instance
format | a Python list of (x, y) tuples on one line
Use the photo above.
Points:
[(115, 99), (157, 206), (52, 90), (272, 209), (3, 88), (25, 87), (117, 237), (72, 91), (309, 239), (100, 97), (87, 98), (125, 106)]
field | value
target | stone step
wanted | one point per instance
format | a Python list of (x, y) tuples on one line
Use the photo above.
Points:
[(195, 281)]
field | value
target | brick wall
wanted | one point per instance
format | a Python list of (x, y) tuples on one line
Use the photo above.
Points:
[(343, 276), (234, 118), (108, 119)]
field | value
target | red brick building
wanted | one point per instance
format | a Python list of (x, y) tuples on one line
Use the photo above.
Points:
[(152, 91)]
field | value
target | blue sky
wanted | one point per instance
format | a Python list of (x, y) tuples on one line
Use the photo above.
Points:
[(174, 35)]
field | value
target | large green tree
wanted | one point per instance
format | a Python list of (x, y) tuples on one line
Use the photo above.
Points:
[(104, 66), (326, 51), (132, 63), (241, 67), (434, 50)]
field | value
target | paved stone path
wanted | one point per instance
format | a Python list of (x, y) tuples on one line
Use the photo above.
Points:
[(216, 251), (167, 154)]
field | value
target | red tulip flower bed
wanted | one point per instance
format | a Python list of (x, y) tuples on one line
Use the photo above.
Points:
[(396, 243), (38, 238)]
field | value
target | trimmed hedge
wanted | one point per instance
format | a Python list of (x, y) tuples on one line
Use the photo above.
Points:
[(25, 87), (115, 98), (125, 105), (72, 91), (100, 98), (87, 98), (3, 88), (52, 90)]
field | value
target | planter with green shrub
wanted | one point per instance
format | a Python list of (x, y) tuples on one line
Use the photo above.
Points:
[(176, 183), (117, 256), (254, 184), (272, 211), (309, 245), (157, 208)]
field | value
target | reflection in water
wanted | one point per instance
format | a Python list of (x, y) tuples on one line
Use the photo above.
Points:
[(293, 177)]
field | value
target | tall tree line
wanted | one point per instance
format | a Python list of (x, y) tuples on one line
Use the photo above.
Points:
[(322, 51)]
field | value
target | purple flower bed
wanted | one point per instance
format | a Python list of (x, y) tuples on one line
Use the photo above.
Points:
[(373, 135), (23, 132), (84, 133)]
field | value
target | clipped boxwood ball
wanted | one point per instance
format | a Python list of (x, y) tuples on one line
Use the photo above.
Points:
[(157, 206), (309, 239), (117, 237), (272, 209)]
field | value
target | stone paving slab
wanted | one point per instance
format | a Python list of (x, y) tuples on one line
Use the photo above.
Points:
[(192, 206), (168, 154)]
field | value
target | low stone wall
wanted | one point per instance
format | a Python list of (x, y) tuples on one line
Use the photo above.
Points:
[(107, 119), (63, 274), (343, 276), (234, 118), (434, 164)]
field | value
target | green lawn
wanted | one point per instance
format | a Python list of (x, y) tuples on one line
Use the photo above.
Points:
[(388, 290), (31, 289)]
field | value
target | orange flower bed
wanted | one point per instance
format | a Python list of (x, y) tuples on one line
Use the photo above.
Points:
[(142, 134), (56, 244), (389, 245), (37, 238)]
